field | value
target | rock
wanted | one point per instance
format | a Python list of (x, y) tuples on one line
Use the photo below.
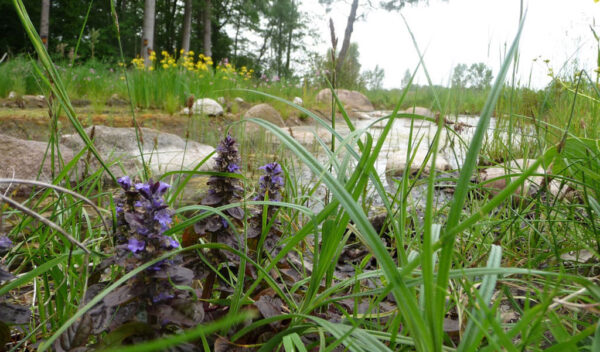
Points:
[(307, 135), (363, 116), (418, 110), (115, 100), (12, 94), (205, 106), (34, 101), (221, 100), (298, 101), (22, 159), (163, 152), (496, 178), (80, 102), (266, 112), (582, 256), (351, 99), (238, 100), (396, 163)]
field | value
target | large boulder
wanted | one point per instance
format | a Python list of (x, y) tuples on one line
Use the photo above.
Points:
[(266, 112), (205, 106), (397, 163), (24, 159), (352, 100), (163, 152)]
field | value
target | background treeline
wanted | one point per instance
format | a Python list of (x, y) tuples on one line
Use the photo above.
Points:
[(260, 34)]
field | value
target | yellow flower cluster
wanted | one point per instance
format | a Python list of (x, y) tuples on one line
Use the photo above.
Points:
[(140, 64), (167, 60), (188, 62), (245, 73)]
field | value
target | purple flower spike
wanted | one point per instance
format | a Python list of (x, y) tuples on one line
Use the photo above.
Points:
[(271, 182), (135, 245), (125, 182)]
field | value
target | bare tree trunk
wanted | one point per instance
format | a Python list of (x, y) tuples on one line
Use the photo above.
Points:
[(187, 26), (45, 22), (206, 19), (347, 35), (148, 30)]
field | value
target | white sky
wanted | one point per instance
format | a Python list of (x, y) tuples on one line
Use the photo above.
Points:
[(468, 31)]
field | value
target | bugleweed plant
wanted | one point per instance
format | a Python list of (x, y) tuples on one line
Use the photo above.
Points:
[(442, 277)]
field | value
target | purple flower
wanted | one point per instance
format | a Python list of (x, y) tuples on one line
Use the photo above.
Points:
[(233, 168), (125, 182), (5, 244), (144, 189), (160, 188), (271, 182), (135, 245), (162, 296), (163, 217), (173, 243)]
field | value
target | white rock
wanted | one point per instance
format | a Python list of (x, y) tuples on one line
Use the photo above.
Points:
[(496, 178), (397, 163), (221, 100), (205, 106), (238, 100), (12, 95), (298, 101)]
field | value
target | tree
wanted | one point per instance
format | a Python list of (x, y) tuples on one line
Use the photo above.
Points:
[(187, 26), (479, 76), (45, 22), (406, 78), (352, 17), (459, 76), (373, 79), (207, 22), (349, 76), (148, 30)]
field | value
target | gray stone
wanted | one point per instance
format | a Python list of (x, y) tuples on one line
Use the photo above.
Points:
[(205, 106), (397, 163), (24, 159), (497, 177), (298, 101), (352, 100), (163, 152), (266, 112)]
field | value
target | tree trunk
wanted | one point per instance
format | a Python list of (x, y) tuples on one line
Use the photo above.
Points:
[(347, 35), (45, 22), (187, 26), (207, 44), (148, 31)]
